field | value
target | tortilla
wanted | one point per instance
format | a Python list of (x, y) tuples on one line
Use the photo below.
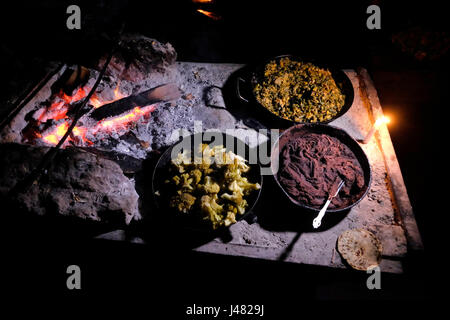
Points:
[(360, 248)]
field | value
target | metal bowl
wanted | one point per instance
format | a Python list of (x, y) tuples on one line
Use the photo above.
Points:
[(231, 143), (297, 131)]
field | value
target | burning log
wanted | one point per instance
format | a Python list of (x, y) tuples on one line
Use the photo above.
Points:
[(71, 79), (167, 92), (78, 183)]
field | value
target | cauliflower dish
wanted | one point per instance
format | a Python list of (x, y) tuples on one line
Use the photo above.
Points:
[(212, 187)]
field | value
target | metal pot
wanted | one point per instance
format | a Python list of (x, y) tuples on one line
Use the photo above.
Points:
[(160, 175), (247, 83), (296, 132)]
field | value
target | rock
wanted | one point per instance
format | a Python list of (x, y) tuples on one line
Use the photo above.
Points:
[(138, 56), (78, 183)]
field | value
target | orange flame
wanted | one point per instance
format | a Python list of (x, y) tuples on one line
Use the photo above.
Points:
[(132, 116), (96, 102), (80, 94), (58, 110), (56, 135), (79, 132), (210, 14), (117, 94)]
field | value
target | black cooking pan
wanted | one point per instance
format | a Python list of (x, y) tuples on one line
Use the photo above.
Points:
[(246, 83), (296, 132), (190, 143)]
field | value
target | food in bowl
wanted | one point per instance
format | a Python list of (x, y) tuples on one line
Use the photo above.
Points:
[(214, 186), (312, 162), (299, 91)]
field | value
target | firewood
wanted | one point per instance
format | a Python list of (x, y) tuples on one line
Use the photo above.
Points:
[(166, 92)]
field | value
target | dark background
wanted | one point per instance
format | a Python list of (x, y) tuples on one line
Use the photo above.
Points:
[(407, 59)]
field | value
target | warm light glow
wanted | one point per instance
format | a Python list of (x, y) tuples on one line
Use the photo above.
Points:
[(133, 116), (382, 120), (51, 139), (96, 102), (57, 134), (79, 132), (62, 129), (58, 110), (210, 14), (117, 94), (202, 1), (80, 94), (122, 119)]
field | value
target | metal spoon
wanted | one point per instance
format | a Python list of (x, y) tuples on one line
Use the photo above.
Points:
[(318, 220)]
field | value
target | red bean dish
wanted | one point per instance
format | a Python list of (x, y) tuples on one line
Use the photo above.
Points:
[(311, 163)]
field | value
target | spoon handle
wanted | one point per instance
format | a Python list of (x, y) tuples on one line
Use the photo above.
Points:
[(318, 220)]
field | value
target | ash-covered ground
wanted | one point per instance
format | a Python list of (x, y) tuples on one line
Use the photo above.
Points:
[(200, 85)]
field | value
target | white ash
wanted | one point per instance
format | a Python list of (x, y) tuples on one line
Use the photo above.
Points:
[(162, 124)]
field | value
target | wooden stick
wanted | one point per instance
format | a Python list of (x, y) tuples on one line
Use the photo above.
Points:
[(165, 92), (29, 95), (34, 175)]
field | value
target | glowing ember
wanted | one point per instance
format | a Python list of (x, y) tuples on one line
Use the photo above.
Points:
[(126, 119), (80, 94), (54, 137), (210, 14), (56, 111), (96, 102), (59, 108), (61, 114), (117, 94), (79, 132)]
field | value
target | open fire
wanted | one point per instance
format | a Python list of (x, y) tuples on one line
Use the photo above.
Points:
[(51, 123)]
